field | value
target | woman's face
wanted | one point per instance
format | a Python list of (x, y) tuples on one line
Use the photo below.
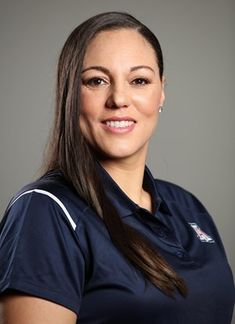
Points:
[(120, 95)]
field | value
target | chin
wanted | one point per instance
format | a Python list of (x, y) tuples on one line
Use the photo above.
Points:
[(120, 153), (115, 155)]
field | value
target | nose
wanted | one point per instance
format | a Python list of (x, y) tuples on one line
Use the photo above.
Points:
[(118, 97)]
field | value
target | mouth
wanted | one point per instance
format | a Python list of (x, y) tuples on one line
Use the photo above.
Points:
[(119, 124)]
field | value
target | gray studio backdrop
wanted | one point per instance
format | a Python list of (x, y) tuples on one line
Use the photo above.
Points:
[(194, 143)]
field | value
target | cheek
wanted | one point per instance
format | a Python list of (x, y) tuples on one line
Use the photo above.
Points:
[(86, 123), (86, 127), (89, 115), (88, 109), (85, 116), (86, 104), (83, 126), (148, 105)]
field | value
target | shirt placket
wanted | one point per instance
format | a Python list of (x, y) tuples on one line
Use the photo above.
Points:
[(165, 237)]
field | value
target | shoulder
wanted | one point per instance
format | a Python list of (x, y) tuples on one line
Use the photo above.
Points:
[(52, 184), (175, 194), (41, 242), (49, 195)]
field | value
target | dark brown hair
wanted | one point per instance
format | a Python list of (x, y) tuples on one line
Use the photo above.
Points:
[(69, 152)]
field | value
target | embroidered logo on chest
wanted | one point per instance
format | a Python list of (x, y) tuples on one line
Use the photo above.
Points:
[(201, 235)]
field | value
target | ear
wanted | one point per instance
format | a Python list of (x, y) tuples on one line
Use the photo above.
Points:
[(162, 99)]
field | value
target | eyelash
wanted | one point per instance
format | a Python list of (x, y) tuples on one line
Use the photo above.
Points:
[(145, 80), (95, 81)]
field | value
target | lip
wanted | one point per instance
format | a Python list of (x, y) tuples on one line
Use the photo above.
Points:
[(116, 118), (118, 130)]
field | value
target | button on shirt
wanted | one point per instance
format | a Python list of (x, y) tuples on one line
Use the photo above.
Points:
[(54, 246)]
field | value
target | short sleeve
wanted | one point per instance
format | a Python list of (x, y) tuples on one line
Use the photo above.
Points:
[(40, 253)]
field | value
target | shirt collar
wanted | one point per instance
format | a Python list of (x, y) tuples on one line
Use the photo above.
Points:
[(123, 204)]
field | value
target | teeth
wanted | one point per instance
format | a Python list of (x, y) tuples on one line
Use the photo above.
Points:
[(119, 124)]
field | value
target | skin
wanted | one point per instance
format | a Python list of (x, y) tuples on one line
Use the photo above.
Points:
[(120, 91), (22, 309), (119, 88)]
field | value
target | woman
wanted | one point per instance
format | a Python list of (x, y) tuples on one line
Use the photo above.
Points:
[(96, 239)]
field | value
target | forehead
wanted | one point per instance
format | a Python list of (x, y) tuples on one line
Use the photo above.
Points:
[(122, 46)]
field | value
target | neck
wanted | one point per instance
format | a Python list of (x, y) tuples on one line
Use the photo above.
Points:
[(129, 178)]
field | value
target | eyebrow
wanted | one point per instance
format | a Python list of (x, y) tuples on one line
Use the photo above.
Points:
[(106, 71)]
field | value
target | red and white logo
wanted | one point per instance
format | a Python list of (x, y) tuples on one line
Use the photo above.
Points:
[(202, 235)]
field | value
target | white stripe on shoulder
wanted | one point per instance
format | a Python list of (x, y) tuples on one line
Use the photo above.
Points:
[(59, 202)]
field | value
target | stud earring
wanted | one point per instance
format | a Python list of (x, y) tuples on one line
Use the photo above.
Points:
[(160, 109)]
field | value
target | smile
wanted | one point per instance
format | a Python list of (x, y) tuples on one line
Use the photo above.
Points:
[(119, 124)]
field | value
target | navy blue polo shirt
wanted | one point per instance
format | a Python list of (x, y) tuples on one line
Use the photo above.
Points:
[(54, 246)]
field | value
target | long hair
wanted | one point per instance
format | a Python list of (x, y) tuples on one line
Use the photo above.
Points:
[(69, 152)]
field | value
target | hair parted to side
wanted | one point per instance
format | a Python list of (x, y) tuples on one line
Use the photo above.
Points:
[(69, 152)]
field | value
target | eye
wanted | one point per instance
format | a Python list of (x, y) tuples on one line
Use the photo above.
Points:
[(140, 81), (95, 82)]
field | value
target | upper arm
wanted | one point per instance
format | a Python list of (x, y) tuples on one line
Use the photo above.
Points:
[(23, 309), (40, 255)]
